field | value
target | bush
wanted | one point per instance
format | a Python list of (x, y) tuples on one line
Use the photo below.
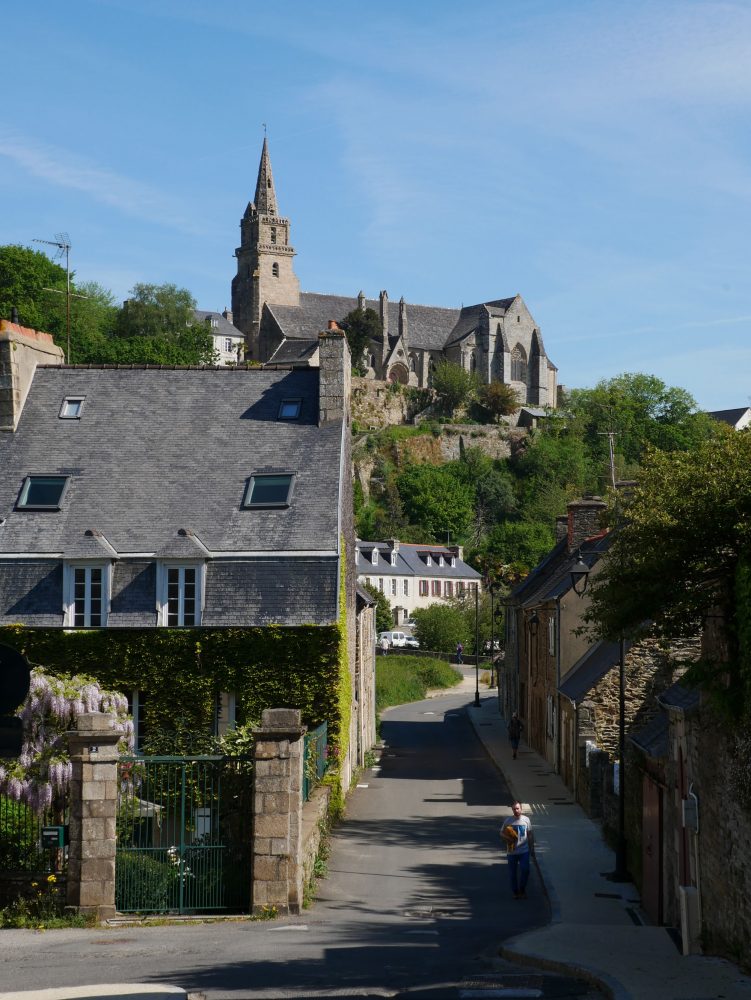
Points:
[(401, 679)]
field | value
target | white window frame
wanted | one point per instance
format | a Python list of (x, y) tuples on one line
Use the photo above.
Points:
[(64, 415), (162, 578), (428, 560), (424, 588), (405, 587), (441, 561), (393, 586), (229, 345), (69, 591), (393, 558), (374, 557)]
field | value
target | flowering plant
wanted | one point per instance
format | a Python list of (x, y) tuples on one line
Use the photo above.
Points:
[(41, 774)]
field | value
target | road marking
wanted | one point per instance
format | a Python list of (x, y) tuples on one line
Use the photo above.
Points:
[(290, 927), (363, 786)]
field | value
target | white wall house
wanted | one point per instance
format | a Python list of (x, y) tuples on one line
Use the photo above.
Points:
[(228, 340), (414, 576)]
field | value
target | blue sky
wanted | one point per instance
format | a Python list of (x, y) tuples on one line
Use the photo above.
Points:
[(592, 156)]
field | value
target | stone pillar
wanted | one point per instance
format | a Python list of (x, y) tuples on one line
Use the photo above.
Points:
[(277, 826), (93, 812)]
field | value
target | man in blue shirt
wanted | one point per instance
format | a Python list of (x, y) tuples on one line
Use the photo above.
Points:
[(516, 833)]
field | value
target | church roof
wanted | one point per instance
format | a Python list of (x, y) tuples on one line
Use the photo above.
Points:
[(429, 328)]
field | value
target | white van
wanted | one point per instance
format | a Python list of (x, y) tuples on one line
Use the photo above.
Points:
[(393, 638)]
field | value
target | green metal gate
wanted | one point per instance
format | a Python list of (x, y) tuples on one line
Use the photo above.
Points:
[(184, 828)]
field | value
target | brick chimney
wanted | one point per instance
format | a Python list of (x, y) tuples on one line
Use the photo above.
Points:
[(583, 519), (21, 350), (335, 375)]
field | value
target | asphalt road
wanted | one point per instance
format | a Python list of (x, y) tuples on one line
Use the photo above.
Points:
[(415, 901)]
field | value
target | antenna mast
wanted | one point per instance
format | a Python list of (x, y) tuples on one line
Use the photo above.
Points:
[(62, 242)]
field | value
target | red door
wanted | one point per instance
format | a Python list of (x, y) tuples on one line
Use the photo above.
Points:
[(652, 850)]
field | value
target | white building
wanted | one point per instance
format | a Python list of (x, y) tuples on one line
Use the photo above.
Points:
[(228, 340), (414, 576)]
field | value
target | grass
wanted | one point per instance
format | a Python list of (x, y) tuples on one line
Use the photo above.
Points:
[(400, 679)]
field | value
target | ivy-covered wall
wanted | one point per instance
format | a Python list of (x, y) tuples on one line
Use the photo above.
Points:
[(183, 670)]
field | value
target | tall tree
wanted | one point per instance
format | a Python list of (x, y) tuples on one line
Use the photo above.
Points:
[(25, 277), (454, 385), (437, 499)]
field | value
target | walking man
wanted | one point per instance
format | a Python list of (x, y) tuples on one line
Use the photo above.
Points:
[(459, 652), (516, 833), (515, 727)]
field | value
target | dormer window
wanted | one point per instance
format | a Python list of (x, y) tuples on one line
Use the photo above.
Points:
[(453, 561), (393, 558), (71, 408), (441, 561), (289, 409), (428, 560), (374, 557), (42, 493), (269, 490)]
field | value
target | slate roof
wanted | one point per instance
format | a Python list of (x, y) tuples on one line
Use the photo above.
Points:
[(223, 327), (680, 696), (551, 578), (653, 737), (291, 352), (157, 450), (732, 417), (589, 669), (428, 327), (411, 561)]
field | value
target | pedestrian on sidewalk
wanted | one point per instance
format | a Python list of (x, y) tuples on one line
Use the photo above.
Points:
[(516, 833), (515, 728), (459, 652), (384, 646)]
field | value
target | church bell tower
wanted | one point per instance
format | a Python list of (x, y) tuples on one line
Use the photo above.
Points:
[(264, 261)]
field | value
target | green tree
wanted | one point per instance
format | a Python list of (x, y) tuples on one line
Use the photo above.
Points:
[(361, 326), (681, 537), (454, 385), (553, 469), (25, 276), (439, 627), (518, 544), (384, 618), (499, 399), (643, 412), (435, 498)]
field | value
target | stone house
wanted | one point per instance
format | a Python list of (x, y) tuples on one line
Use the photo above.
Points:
[(414, 576), (498, 339), (144, 497), (228, 340)]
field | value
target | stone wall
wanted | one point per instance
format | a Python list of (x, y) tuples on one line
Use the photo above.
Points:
[(377, 404)]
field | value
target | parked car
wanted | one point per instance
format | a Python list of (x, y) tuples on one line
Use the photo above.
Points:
[(410, 623), (411, 642), (393, 638)]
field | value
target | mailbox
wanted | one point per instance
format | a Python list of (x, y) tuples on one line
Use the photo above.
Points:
[(53, 837)]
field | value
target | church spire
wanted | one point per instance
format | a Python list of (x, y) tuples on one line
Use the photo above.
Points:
[(265, 194)]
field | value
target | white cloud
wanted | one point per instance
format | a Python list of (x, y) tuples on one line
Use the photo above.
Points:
[(62, 168)]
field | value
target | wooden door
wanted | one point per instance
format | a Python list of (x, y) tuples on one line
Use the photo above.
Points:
[(652, 900)]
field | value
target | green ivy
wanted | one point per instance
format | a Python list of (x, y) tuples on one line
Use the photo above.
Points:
[(183, 670), (743, 626)]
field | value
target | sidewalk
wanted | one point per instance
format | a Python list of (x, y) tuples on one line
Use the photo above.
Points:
[(596, 929)]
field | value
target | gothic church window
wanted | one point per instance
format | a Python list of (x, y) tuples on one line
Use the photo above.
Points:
[(273, 234), (275, 270), (518, 364)]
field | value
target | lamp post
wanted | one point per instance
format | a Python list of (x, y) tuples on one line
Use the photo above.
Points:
[(579, 581), (492, 588), (477, 645)]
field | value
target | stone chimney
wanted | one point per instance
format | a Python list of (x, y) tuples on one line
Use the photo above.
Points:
[(583, 519), (227, 313), (457, 550), (21, 350), (561, 527), (335, 375), (394, 543)]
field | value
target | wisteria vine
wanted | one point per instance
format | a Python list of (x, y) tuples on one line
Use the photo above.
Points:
[(41, 774)]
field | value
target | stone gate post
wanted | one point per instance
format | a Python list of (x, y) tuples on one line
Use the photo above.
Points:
[(93, 811), (277, 826)]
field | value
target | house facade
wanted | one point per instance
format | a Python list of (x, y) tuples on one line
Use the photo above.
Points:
[(498, 339), (414, 576), (147, 498), (228, 341)]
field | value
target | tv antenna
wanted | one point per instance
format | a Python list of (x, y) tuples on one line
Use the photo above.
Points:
[(610, 435), (62, 242)]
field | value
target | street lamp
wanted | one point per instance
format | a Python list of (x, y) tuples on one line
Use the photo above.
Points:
[(579, 581), (492, 587), (477, 645)]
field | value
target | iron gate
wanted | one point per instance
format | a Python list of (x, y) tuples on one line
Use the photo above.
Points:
[(184, 829)]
